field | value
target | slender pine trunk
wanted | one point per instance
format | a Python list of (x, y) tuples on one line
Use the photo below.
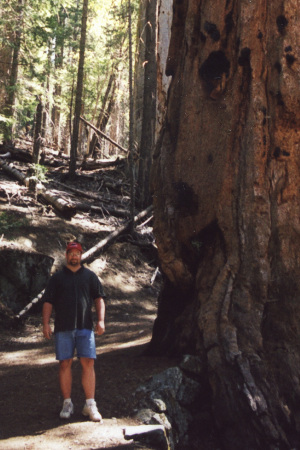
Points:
[(79, 89)]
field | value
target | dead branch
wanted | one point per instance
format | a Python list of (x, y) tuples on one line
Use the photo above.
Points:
[(104, 135), (112, 236), (146, 221), (30, 305), (154, 275)]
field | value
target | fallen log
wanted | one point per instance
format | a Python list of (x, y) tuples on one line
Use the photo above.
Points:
[(66, 208), (104, 135), (83, 193), (19, 154), (6, 155), (91, 195), (100, 163), (12, 171), (118, 188), (117, 212), (112, 236)]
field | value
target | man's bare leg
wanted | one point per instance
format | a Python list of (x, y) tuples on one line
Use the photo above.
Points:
[(88, 378), (88, 383), (65, 377)]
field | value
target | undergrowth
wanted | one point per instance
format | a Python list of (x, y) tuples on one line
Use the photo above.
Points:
[(9, 222)]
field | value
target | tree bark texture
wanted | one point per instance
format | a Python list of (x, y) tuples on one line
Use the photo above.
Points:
[(226, 200), (164, 21), (139, 78)]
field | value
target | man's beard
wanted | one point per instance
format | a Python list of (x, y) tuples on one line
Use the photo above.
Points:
[(74, 262)]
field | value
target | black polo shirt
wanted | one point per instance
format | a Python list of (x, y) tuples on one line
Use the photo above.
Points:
[(72, 295)]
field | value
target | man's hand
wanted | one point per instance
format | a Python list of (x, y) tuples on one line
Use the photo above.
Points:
[(47, 332), (100, 327)]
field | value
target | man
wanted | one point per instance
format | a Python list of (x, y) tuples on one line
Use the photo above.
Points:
[(71, 292)]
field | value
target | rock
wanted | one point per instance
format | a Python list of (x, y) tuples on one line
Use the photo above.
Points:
[(161, 419), (166, 398), (23, 275), (191, 364), (159, 405), (149, 417), (154, 435), (168, 380), (145, 415), (188, 391)]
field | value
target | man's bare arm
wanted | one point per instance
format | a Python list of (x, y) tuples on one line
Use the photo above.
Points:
[(47, 311), (100, 310)]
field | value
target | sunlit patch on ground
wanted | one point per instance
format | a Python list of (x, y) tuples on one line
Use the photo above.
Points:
[(77, 436)]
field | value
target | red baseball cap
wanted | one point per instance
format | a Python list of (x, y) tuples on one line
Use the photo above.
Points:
[(74, 246)]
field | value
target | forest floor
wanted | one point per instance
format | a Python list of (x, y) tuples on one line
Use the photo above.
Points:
[(30, 400)]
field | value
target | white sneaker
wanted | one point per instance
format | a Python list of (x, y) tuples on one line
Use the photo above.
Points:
[(67, 410), (92, 412)]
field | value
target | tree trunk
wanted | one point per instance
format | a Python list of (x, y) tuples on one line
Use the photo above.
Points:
[(164, 21), (6, 54), (110, 88), (149, 105), (90, 132), (130, 144), (79, 88), (37, 132), (226, 213), (9, 108), (59, 58)]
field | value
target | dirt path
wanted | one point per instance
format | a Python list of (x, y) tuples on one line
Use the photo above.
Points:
[(30, 400)]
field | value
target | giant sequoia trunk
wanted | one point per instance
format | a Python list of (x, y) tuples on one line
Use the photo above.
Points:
[(226, 198)]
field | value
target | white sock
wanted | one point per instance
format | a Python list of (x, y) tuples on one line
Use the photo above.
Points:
[(90, 401), (67, 400)]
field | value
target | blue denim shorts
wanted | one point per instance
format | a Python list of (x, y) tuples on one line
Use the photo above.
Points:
[(82, 340)]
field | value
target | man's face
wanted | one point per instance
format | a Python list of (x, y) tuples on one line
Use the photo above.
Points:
[(73, 257)]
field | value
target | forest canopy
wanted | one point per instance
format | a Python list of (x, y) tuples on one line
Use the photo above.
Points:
[(39, 53)]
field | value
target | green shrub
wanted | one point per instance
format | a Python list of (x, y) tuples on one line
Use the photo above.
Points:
[(40, 172), (9, 222)]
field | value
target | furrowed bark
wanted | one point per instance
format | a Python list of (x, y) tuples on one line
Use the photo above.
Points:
[(226, 219)]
